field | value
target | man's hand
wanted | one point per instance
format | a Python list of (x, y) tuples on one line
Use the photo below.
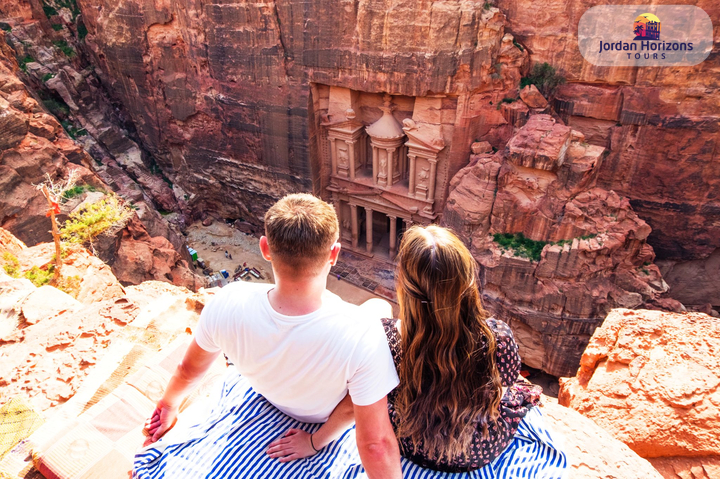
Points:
[(295, 444), (162, 420), (192, 368)]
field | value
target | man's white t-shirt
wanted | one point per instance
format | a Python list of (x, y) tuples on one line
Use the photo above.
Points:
[(304, 365)]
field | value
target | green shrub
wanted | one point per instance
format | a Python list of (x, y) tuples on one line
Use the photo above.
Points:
[(487, 5), (65, 48), (38, 276), (57, 108), (81, 30), (518, 46), (47, 77), (520, 245), (506, 100), (544, 77), (49, 11), (11, 265), (95, 219), (6, 27), (72, 131), (77, 190), (57, 27), (23, 63)]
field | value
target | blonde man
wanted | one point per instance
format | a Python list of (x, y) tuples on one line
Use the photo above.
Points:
[(297, 344)]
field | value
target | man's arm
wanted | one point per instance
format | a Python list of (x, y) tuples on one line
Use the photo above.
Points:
[(194, 365), (376, 441), (296, 443)]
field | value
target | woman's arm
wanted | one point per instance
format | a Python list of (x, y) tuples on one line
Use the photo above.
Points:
[(296, 443), (507, 356)]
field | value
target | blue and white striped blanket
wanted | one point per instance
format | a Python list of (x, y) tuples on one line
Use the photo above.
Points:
[(230, 441)]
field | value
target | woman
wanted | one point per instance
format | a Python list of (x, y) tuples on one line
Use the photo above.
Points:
[(460, 404), (454, 362)]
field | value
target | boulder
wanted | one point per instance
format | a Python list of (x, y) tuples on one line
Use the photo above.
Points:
[(592, 452), (46, 302), (532, 97), (540, 144), (84, 276), (652, 379)]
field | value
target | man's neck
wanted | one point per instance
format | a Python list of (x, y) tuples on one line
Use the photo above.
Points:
[(297, 297)]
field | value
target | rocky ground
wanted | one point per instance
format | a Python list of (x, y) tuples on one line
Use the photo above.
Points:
[(651, 379)]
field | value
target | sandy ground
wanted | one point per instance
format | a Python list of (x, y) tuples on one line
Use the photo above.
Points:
[(212, 241)]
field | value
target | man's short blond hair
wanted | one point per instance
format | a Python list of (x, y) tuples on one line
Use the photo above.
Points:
[(300, 231)]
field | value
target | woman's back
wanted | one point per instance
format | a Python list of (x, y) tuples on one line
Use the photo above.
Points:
[(452, 360)]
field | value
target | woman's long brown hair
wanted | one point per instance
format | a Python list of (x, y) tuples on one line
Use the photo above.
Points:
[(449, 383)]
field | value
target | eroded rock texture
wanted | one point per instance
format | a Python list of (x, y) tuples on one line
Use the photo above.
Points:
[(222, 93), (651, 379), (50, 340), (591, 254), (35, 147), (660, 126), (591, 451)]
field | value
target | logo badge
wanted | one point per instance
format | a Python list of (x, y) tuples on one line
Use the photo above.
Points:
[(647, 27), (630, 35)]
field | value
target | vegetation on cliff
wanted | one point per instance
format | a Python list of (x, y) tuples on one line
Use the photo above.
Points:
[(108, 214), (544, 77)]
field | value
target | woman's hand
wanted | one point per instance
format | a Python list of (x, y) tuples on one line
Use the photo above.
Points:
[(295, 444), (162, 420)]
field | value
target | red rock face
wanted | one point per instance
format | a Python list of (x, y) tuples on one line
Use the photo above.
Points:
[(594, 253), (660, 126), (34, 145), (650, 378), (222, 94)]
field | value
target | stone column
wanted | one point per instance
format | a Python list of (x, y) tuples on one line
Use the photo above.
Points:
[(393, 236), (375, 165), (390, 172), (411, 177), (408, 223), (431, 187), (351, 152), (333, 156), (338, 213), (369, 229), (354, 225)]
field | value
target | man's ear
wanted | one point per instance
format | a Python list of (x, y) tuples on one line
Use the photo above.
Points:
[(265, 248), (334, 253)]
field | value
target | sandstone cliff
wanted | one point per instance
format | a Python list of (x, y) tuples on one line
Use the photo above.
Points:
[(33, 147), (660, 126), (651, 379), (557, 252)]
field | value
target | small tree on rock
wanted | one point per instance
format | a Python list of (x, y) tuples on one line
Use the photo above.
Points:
[(105, 216), (53, 192)]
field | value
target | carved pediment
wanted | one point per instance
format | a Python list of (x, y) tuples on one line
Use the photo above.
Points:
[(423, 136)]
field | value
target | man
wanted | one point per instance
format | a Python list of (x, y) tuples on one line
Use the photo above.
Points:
[(297, 344)]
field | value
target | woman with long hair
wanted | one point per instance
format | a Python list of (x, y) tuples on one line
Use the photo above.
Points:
[(459, 404)]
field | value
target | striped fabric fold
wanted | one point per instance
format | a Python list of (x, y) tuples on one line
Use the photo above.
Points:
[(228, 440)]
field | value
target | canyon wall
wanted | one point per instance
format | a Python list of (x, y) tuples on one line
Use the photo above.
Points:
[(34, 147), (222, 93), (660, 126), (557, 252)]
